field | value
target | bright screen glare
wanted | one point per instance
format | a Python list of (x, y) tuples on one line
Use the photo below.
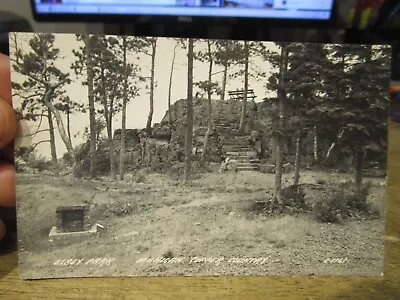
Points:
[(276, 9)]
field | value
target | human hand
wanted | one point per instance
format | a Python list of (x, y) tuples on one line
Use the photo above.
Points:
[(8, 130)]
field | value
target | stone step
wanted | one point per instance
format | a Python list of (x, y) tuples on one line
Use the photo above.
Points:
[(235, 145), (203, 130), (225, 127), (234, 140), (237, 148), (238, 169), (246, 164), (249, 154), (253, 161)]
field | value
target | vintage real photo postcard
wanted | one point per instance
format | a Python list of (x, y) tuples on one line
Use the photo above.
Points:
[(146, 156)]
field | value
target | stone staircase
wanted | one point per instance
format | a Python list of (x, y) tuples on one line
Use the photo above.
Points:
[(235, 146)]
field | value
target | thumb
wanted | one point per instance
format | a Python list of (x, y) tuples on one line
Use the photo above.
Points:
[(8, 124), (2, 230)]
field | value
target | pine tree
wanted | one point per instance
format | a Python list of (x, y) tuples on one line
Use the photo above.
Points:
[(170, 87), (246, 87), (305, 80), (227, 53), (107, 90), (84, 61), (148, 46), (243, 57), (43, 80), (278, 82), (362, 106), (130, 88), (189, 112), (68, 107), (209, 87)]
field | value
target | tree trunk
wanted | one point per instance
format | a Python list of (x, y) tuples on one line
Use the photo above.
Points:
[(108, 118), (332, 146), (209, 108), (316, 144), (111, 141), (52, 137), (280, 129), (124, 102), (224, 79), (68, 115), (60, 124), (92, 111), (170, 89), (245, 89), (358, 155), (189, 114), (273, 145), (111, 149), (263, 146), (153, 59), (296, 177), (278, 173)]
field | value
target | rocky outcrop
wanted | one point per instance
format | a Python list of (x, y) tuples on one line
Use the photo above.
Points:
[(165, 143)]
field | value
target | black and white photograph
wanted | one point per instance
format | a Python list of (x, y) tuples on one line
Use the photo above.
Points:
[(154, 156)]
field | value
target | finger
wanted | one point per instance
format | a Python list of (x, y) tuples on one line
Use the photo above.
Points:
[(7, 154), (7, 185), (8, 123), (5, 78), (2, 230)]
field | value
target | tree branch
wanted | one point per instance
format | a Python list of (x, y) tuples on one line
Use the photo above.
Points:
[(38, 143), (36, 132)]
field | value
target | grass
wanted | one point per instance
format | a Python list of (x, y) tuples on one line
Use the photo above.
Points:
[(210, 217)]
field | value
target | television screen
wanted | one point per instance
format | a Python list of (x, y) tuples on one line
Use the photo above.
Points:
[(261, 9)]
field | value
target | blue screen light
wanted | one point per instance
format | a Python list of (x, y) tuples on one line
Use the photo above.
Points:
[(276, 9)]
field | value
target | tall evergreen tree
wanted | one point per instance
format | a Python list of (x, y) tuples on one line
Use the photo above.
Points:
[(305, 81), (227, 53), (245, 87), (42, 80), (189, 112), (361, 106), (107, 89), (209, 87), (278, 83), (130, 89), (84, 64), (148, 46), (170, 87)]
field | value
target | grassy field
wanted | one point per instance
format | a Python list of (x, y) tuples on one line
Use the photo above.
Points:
[(207, 228)]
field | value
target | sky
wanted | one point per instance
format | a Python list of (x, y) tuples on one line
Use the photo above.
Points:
[(138, 108)]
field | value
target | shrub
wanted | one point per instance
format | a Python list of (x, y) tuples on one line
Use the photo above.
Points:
[(40, 163), (292, 202), (343, 202), (177, 170), (82, 154), (332, 209)]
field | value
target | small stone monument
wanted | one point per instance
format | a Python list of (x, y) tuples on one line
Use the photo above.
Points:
[(73, 218), (72, 223)]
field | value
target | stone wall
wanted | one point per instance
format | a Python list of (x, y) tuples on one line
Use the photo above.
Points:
[(165, 145)]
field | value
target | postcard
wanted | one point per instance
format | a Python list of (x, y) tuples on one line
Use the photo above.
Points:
[(150, 156)]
